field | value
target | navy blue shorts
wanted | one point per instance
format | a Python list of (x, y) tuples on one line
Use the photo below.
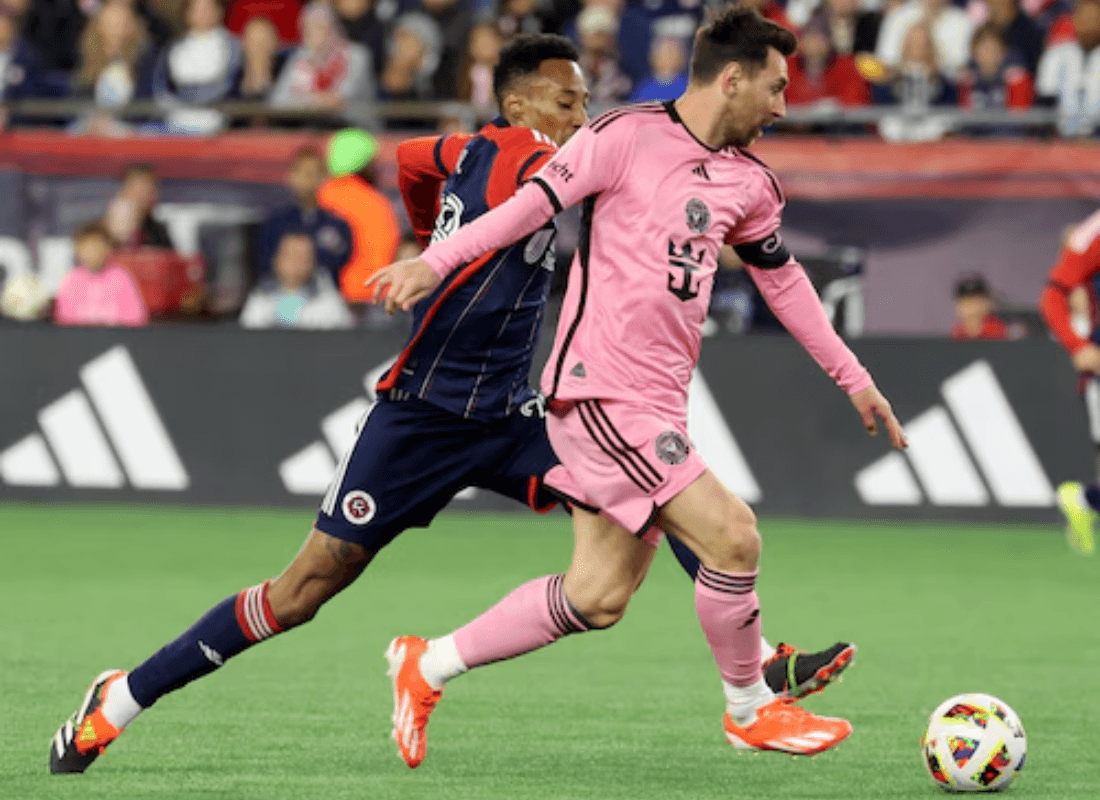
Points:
[(411, 458)]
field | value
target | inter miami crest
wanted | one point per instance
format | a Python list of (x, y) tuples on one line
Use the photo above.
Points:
[(698, 216), (672, 448)]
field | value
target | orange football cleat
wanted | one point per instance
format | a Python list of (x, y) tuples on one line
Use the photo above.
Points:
[(785, 727), (413, 698)]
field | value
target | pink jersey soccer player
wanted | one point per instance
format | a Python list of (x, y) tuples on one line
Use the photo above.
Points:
[(664, 187)]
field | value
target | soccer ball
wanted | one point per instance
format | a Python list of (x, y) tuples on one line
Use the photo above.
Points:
[(974, 743)]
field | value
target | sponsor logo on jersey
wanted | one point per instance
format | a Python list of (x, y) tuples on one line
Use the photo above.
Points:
[(578, 371), (698, 216), (359, 507), (672, 448)]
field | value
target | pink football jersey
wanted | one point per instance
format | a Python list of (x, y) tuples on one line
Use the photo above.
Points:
[(658, 206)]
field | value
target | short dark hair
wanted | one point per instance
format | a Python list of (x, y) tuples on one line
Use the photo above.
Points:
[(972, 285), (307, 152), (139, 168), (94, 228), (523, 55), (737, 34)]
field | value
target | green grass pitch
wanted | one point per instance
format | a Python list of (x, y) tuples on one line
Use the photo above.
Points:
[(634, 712)]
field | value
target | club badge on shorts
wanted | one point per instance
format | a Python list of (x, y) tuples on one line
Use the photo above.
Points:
[(359, 507), (672, 448), (698, 216)]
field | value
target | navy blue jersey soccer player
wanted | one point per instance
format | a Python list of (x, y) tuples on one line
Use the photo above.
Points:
[(456, 410)]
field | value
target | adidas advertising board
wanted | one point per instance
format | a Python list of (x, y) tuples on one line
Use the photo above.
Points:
[(222, 416)]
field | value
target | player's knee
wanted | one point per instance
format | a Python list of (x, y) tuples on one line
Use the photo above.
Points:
[(602, 609), (294, 605), (736, 539)]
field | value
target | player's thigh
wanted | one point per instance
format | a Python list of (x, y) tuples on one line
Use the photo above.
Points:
[(609, 564), (408, 461), (715, 524), (523, 457)]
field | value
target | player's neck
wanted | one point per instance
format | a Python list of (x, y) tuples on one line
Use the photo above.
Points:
[(702, 116)]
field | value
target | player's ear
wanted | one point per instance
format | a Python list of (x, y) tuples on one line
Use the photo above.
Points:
[(730, 78), (514, 106)]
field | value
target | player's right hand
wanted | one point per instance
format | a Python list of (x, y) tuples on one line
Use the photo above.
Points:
[(1087, 359), (403, 285)]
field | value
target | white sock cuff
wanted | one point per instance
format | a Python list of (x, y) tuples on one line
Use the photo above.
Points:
[(766, 650), (742, 701), (119, 706), (440, 661)]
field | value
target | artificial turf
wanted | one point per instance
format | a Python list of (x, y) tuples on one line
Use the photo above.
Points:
[(633, 712)]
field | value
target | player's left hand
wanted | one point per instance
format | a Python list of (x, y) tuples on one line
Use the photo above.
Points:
[(870, 404), (403, 285)]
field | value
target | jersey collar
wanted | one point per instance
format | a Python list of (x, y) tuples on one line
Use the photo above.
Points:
[(670, 107)]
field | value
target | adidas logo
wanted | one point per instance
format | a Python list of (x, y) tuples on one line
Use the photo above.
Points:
[(993, 455), (701, 171), (310, 471), (86, 433)]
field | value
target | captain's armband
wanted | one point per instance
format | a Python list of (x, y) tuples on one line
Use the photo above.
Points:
[(768, 253)]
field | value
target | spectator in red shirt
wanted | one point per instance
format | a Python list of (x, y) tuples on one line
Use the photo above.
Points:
[(819, 74), (283, 13), (974, 317)]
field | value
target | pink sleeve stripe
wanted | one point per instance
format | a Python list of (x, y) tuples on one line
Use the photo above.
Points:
[(792, 298), (524, 212)]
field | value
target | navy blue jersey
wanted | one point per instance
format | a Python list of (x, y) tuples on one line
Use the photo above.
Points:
[(473, 339)]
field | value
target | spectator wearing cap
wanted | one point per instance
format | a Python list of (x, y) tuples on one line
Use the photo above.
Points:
[(351, 194), (974, 317), (327, 71), (331, 234), (296, 294), (197, 70), (668, 75)]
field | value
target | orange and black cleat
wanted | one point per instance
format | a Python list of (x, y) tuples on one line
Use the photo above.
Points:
[(795, 673), (85, 735)]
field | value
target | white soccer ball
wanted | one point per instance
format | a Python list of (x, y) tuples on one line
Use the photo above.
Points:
[(974, 743)]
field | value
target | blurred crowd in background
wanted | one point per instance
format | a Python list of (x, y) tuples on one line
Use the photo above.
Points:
[(372, 64), (344, 57)]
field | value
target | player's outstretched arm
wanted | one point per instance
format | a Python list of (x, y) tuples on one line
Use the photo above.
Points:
[(872, 406), (404, 284)]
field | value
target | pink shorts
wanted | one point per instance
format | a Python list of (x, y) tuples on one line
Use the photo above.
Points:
[(624, 460)]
